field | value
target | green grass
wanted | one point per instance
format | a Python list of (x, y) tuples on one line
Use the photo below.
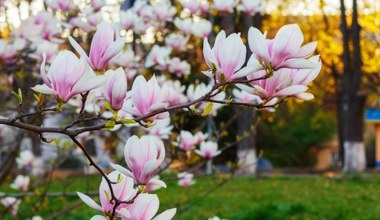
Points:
[(247, 198)]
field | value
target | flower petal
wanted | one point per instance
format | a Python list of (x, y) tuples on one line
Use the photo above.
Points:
[(90, 202)]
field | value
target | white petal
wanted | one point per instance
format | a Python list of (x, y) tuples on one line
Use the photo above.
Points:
[(122, 170), (86, 199), (166, 215), (44, 89)]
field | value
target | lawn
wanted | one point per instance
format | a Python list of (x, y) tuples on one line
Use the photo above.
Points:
[(246, 198)]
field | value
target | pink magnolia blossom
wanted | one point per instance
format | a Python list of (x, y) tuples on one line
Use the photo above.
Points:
[(144, 156), (184, 25), (226, 6), (77, 22), (204, 6), (145, 207), (98, 4), (202, 28), (161, 128), (284, 51), (7, 51), (227, 57), (163, 11), (208, 150), (67, 77), (128, 19), (179, 67), (250, 7), (94, 19), (12, 204), (62, 5), (115, 90), (176, 41), (195, 92), (187, 140), (146, 97), (283, 83), (185, 179), (304, 77), (123, 191), (245, 97), (104, 46), (191, 5), (21, 183), (173, 92), (25, 159), (127, 59), (45, 47), (158, 56)]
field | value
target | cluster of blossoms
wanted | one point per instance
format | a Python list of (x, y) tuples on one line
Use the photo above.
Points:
[(143, 157), (279, 67), (107, 80), (20, 183)]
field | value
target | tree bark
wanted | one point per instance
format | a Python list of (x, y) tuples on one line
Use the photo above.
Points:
[(246, 120), (351, 104)]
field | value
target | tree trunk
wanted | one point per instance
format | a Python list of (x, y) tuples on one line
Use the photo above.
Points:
[(350, 103), (246, 151), (352, 118), (246, 120)]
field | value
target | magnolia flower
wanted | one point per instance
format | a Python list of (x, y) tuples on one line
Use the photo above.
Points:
[(304, 77), (172, 91), (7, 51), (195, 92), (123, 191), (145, 207), (202, 28), (154, 184), (284, 82), (163, 11), (160, 128), (97, 4), (208, 150), (79, 23), (185, 179), (187, 140), (245, 97), (45, 47), (184, 25), (144, 156), (21, 183), (115, 90), (284, 51), (128, 19), (67, 77), (227, 57), (158, 56), (250, 7), (226, 6), (12, 204), (25, 159), (94, 19), (176, 41), (191, 5), (63, 5), (104, 46), (146, 97), (204, 6), (179, 67), (126, 59)]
